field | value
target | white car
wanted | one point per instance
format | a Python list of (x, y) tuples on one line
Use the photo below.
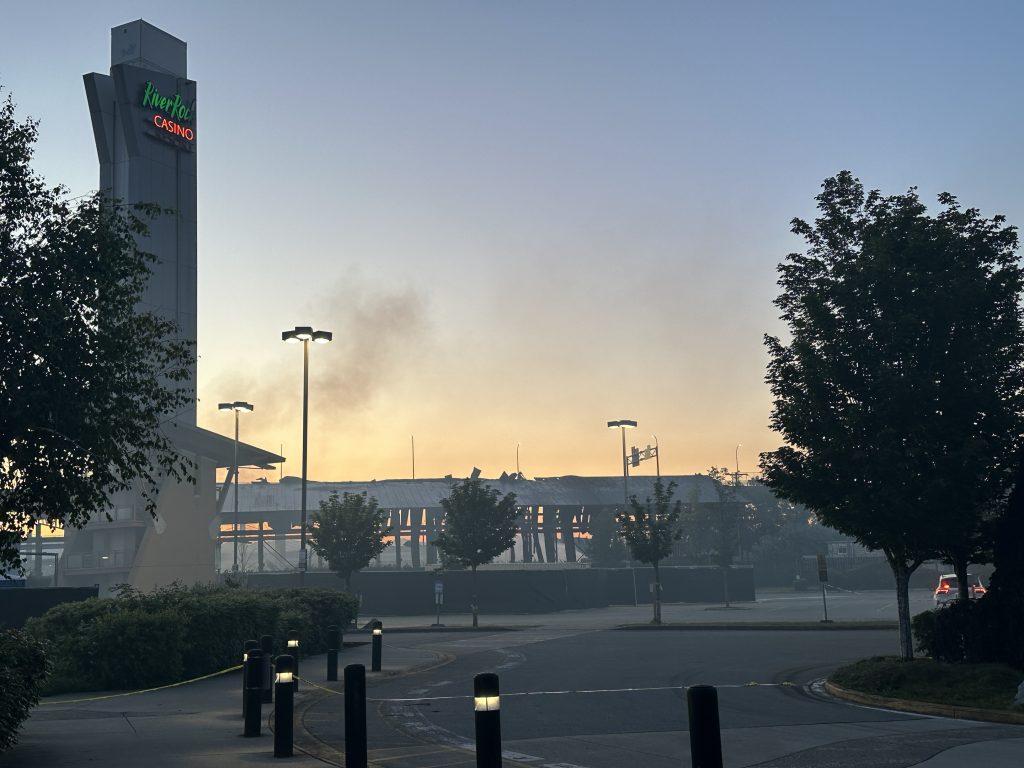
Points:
[(947, 591)]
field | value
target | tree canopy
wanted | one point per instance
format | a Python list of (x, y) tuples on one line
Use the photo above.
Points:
[(898, 392), (86, 380), (650, 529), (479, 524), (348, 532)]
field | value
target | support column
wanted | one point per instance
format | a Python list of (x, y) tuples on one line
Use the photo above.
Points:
[(415, 532), (433, 529), (550, 524), (566, 520), (396, 531), (259, 545)]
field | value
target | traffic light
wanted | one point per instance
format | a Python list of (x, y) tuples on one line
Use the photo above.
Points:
[(634, 458)]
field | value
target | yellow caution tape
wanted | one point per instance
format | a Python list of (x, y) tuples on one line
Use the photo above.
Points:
[(144, 690), (322, 688)]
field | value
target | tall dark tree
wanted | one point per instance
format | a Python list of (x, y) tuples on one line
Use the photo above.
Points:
[(650, 529), (479, 524), (348, 532), (899, 390), (86, 381)]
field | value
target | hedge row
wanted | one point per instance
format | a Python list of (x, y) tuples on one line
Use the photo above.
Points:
[(138, 640), (22, 672)]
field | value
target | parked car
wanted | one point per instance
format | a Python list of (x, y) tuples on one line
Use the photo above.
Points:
[(947, 591)]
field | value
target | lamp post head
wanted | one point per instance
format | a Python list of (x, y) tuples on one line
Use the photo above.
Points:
[(238, 405), (297, 334), (624, 423), (306, 333)]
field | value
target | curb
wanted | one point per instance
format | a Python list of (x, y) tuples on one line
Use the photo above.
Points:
[(925, 707), (801, 626), (452, 628), (307, 743)]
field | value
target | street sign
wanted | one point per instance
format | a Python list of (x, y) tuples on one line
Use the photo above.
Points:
[(822, 569)]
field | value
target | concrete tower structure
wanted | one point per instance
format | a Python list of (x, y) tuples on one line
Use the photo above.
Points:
[(144, 120)]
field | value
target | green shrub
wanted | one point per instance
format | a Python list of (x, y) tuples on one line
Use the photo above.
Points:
[(111, 643), (973, 631), (22, 672)]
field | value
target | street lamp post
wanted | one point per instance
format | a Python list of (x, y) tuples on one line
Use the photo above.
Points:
[(238, 406), (623, 425), (737, 480), (305, 334)]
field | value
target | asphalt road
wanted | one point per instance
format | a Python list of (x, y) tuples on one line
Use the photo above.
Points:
[(598, 698)]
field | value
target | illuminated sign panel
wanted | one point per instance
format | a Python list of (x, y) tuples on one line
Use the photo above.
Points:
[(175, 107)]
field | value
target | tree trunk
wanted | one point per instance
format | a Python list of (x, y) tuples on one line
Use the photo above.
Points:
[(656, 597), (963, 589), (901, 570), (474, 605)]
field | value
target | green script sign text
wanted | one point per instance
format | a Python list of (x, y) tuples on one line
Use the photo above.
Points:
[(175, 107)]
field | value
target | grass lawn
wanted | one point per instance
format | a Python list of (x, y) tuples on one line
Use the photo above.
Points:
[(986, 686)]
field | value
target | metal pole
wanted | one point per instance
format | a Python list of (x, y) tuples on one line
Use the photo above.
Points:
[(625, 466), (355, 716), (234, 566), (253, 692), (250, 645), (487, 717), (705, 731), (333, 641), (305, 431), (267, 646), (284, 719), (378, 638), (657, 457)]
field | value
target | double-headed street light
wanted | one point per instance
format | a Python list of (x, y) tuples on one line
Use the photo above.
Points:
[(623, 425), (238, 406), (305, 334)]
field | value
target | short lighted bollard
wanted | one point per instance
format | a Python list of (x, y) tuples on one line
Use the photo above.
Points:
[(355, 716), (267, 646), (378, 641), (487, 714), (249, 646), (253, 692), (705, 732), (333, 643), (284, 695), (293, 651)]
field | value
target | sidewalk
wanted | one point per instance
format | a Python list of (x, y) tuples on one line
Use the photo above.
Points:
[(198, 725)]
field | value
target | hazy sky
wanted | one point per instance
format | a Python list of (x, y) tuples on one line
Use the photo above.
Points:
[(524, 219)]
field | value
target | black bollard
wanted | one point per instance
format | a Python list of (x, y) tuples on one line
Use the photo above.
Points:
[(355, 716), (253, 692), (267, 646), (378, 639), (293, 651), (333, 643), (249, 646), (705, 733), (284, 695), (487, 714)]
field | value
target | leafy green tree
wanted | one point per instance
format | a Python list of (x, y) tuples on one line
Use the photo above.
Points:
[(898, 392), (650, 529), (86, 379), (478, 526), (348, 532)]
